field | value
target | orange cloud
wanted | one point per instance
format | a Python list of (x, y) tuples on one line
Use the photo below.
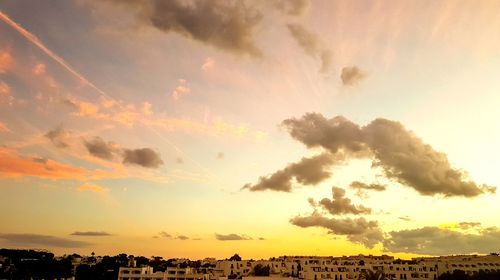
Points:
[(4, 128), (208, 64), (181, 89), (39, 69), (13, 165), (91, 188), (5, 94), (6, 61)]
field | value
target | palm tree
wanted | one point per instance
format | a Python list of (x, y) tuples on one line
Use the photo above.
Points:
[(372, 275)]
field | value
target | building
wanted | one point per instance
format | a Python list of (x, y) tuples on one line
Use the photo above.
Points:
[(323, 268)]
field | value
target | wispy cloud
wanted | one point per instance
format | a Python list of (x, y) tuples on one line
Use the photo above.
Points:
[(181, 90), (4, 127), (14, 165), (91, 233), (312, 45), (6, 61), (231, 237), (92, 188), (37, 240), (208, 64)]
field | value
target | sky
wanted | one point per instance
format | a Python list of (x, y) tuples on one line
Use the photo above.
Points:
[(207, 128)]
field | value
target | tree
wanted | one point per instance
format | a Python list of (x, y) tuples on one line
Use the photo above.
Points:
[(235, 257), (372, 275), (260, 270)]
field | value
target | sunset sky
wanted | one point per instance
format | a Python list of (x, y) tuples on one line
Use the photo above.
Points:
[(207, 128)]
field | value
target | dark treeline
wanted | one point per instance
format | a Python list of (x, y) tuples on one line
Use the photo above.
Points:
[(32, 264)]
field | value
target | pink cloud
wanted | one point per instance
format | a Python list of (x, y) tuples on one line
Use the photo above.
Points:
[(92, 188), (181, 89), (208, 64), (5, 94), (6, 61), (4, 128), (39, 69)]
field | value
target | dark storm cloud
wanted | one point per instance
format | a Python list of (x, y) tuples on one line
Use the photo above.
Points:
[(100, 148), (312, 45), (402, 156), (226, 25), (339, 204), (57, 137), (144, 157), (357, 230), (91, 233), (363, 186), (438, 241), (231, 237), (308, 171), (36, 240), (352, 76)]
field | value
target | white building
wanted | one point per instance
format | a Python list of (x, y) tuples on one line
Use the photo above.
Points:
[(323, 268)]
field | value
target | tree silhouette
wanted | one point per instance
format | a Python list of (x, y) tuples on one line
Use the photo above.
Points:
[(235, 257), (372, 275)]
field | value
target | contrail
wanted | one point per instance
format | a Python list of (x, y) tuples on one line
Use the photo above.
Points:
[(34, 40)]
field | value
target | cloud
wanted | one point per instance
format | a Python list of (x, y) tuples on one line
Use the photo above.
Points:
[(182, 237), (402, 156), (231, 237), (91, 188), (180, 90), (352, 76), (144, 157), (14, 165), (439, 241), (164, 234), (4, 128), (32, 240), (179, 160), (405, 218), (340, 204), (227, 26), (6, 61), (220, 155), (363, 186), (292, 7), (5, 94), (312, 45), (91, 233), (357, 230), (39, 69), (101, 149), (469, 225), (58, 137), (208, 64), (308, 171)]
